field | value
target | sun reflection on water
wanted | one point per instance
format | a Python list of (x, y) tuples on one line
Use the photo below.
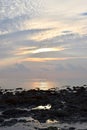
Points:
[(42, 85)]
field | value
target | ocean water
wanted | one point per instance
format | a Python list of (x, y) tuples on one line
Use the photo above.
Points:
[(43, 84)]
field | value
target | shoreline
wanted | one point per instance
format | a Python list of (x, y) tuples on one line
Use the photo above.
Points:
[(65, 105)]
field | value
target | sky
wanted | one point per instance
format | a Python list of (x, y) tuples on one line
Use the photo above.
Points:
[(43, 39)]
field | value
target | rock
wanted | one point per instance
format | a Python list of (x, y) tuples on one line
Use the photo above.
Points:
[(52, 128), (67, 105), (72, 128), (1, 120), (49, 128), (11, 113), (22, 121), (9, 123)]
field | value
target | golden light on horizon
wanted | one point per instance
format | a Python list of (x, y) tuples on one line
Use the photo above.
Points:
[(43, 85)]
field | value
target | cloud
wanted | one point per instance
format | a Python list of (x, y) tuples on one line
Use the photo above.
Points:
[(14, 14), (84, 14), (8, 25), (9, 43), (14, 72), (17, 48), (43, 59), (19, 7)]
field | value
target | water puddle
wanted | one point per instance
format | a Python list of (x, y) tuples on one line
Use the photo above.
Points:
[(51, 121), (47, 107)]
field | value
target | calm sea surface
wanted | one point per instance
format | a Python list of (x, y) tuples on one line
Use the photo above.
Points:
[(39, 83)]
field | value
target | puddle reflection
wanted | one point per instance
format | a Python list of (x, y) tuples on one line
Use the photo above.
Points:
[(47, 107)]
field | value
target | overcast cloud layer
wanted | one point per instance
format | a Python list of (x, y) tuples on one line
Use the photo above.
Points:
[(43, 39)]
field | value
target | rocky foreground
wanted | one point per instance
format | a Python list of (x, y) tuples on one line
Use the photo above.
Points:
[(65, 105)]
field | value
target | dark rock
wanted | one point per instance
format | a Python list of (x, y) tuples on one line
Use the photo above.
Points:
[(9, 123), (67, 105), (1, 120), (22, 121), (72, 128), (12, 113), (49, 128)]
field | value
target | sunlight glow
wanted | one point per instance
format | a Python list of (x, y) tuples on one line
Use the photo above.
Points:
[(33, 50), (43, 59), (24, 50), (48, 50), (42, 85)]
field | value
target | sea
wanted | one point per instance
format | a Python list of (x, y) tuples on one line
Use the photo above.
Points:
[(43, 84)]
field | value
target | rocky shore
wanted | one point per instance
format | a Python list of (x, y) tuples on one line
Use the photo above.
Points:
[(65, 105)]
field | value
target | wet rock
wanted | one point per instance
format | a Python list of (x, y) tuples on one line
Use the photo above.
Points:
[(67, 105), (1, 120), (72, 128), (22, 121), (12, 113), (19, 88), (9, 123), (49, 128)]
